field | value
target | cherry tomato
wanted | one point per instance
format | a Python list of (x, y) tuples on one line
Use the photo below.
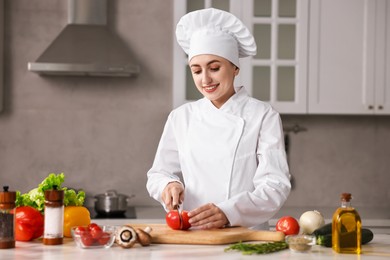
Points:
[(87, 239), (96, 232), (288, 225), (173, 220), (91, 225), (104, 238), (80, 230)]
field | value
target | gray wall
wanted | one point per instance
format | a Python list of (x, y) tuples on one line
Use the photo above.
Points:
[(340, 154), (103, 132)]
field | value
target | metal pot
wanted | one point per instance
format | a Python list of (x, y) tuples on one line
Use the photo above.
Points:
[(111, 202)]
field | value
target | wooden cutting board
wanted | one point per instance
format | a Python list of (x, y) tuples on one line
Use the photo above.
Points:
[(162, 234)]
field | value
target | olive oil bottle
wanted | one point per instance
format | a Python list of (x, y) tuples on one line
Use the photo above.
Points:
[(346, 228)]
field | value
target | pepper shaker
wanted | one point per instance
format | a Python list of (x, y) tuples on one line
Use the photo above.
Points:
[(54, 217), (7, 218)]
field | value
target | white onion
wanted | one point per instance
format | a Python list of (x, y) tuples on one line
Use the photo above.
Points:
[(310, 221)]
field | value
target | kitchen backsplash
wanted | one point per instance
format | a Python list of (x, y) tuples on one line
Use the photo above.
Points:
[(103, 132)]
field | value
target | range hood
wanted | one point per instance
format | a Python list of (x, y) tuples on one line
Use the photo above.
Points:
[(86, 47)]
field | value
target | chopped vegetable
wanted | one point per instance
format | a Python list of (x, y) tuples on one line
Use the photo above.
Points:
[(263, 248), (310, 221), (36, 197), (178, 220)]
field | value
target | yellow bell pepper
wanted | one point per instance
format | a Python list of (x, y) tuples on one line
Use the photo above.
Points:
[(75, 216)]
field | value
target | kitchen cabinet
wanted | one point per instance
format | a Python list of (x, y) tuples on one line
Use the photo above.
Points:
[(314, 57), (349, 57), (277, 74)]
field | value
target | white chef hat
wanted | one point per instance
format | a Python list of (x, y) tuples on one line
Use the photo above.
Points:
[(213, 31)]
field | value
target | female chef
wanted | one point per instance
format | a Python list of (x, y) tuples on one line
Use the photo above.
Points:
[(222, 157)]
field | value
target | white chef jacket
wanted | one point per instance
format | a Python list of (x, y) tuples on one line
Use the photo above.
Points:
[(233, 157)]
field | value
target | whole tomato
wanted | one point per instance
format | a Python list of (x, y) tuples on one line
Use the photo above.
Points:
[(173, 220), (96, 232), (29, 223), (87, 239), (288, 225)]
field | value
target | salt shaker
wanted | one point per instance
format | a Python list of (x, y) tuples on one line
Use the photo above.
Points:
[(7, 218), (54, 217)]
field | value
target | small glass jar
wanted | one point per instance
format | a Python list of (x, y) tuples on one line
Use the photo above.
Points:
[(54, 217), (7, 218)]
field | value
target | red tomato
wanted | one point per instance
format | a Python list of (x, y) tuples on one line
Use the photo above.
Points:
[(104, 238), (186, 224), (91, 225), (96, 232), (87, 239), (288, 225), (173, 220), (23, 232), (29, 223), (80, 230)]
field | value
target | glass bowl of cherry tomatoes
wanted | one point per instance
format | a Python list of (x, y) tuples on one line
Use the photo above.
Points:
[(94, 236)]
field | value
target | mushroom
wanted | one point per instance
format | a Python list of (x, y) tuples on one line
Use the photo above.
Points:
[(126, 236), (144, 238)]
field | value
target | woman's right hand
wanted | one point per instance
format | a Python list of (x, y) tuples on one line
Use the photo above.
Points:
[(173, 195)]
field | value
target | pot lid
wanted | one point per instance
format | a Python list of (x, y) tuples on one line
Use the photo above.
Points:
[(109, 194)]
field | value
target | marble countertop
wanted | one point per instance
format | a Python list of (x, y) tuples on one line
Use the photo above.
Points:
[(379, 248)]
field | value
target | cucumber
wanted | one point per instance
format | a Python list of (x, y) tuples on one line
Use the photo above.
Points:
[(324, 230), (326, 239), (367, 236)]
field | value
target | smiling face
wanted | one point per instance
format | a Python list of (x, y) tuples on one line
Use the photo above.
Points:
[(214, 77)]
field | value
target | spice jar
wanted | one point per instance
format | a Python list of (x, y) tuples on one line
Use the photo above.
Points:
[(54, 217), (7, 218)]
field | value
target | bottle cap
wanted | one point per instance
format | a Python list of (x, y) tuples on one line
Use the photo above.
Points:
[(54, 195), (7, 198), (346, 197)]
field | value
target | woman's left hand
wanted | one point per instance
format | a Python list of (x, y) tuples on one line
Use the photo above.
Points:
[(207, 216)]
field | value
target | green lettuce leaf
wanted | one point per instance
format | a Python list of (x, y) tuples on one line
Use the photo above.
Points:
[(72, 198), (36, 197), (52, 181)]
